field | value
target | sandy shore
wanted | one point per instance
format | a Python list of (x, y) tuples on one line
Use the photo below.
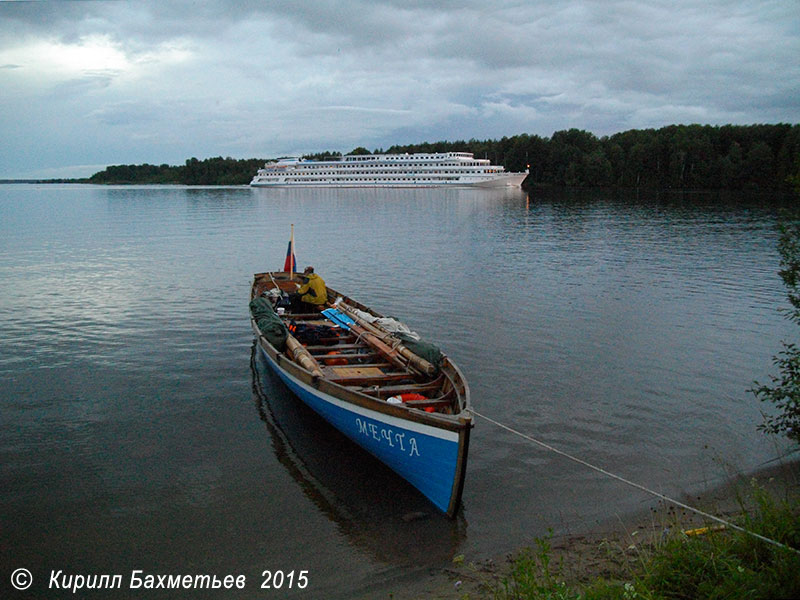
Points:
[(607, 550)]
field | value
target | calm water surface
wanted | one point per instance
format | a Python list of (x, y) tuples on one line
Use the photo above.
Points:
[(140, 431)]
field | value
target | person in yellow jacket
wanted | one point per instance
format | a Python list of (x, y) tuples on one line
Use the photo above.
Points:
[(313, 293)]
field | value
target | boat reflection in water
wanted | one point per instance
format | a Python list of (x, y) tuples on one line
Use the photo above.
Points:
[(376, 509)]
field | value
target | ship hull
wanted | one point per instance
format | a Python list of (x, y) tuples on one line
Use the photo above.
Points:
[(507, 180)]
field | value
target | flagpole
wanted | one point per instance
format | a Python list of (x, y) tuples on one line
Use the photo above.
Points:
[(292, 266)]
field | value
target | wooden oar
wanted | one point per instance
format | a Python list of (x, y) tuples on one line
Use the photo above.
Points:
[(391, 353), (303, 356), (419, 363)]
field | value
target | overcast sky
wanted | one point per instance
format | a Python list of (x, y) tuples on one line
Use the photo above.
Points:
[(85, 84)]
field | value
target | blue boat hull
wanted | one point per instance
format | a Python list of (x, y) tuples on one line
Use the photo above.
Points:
[(429, 457)]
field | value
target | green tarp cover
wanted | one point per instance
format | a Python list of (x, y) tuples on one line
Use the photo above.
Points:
[(268, 322), (422, 349)]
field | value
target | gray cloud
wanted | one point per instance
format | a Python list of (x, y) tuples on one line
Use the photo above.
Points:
[(162, 81)]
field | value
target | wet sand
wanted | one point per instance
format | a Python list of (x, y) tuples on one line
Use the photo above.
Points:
[(609, 549)]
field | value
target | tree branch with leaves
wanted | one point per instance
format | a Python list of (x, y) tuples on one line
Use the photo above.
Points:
[(784, 392)]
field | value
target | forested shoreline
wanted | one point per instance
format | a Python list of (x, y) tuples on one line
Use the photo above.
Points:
[(700, 157)]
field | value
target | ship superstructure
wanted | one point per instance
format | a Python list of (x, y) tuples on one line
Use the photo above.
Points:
[(387, 170)]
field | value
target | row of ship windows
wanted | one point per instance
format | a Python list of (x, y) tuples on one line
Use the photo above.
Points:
[(404, 158), (399, 173), (341, 179), (414, 165)]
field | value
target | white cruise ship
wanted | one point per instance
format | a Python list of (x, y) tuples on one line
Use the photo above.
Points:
[(443, 169)]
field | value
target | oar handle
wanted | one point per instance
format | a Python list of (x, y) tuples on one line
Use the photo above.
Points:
[(417, 362)]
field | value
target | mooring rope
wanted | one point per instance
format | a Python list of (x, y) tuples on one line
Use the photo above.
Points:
[(637, 485)]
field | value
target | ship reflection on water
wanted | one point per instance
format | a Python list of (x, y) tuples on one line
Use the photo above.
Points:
[(374, 508)]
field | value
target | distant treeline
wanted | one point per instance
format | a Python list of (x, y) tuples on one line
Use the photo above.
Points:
[(732, 157), (211, 171)]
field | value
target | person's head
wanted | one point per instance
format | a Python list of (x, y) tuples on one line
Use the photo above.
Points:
[(308, 270)]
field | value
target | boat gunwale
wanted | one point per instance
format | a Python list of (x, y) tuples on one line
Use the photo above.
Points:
[(454, 422)]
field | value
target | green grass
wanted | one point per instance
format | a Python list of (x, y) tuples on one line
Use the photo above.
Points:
[(725, 564)]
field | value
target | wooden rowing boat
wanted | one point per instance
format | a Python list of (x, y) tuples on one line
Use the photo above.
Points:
[(407, 405)]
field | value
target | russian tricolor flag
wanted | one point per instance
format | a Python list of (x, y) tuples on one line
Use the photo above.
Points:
[(290, 264)]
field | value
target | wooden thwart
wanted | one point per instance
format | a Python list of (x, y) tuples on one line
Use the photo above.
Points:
[(357, 372)]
